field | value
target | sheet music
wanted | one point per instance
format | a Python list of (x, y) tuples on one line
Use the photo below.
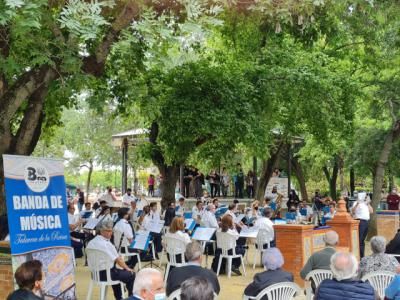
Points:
[(203, 233), (155, 226), (249, 232), (190, 224), (141, 241), (91, 224)]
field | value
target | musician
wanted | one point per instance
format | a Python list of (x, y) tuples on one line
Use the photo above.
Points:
[(293, 199), (88, 208), (197, 211), (127, 235), (180, 208), (77, 237), (100, 207), (305, 210), (105, 214), (273, 195), (209, 220), (216, 203), (177, 230), (133, 212), (128, 198), (154, 216)]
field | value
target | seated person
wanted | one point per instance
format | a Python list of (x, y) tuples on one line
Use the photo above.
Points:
[(177, 230), (29, 277), (197, 211), (273, 262), (392, 292), (194, 256), (228, 226), (145, 221), (149, 285), (393, 247), (305, 210), (343, 285), (208, 219), (98, 206), (196, 288), (102, 243), (126, 235), (77, 238), (216, 203), (105, 214), (180, 208), (86, 210), (378, 260), (265, 223), (169, 214)]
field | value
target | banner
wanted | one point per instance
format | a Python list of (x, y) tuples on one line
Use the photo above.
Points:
[(38, 220)]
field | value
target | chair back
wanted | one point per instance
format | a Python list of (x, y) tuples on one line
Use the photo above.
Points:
[(226, 242), (264, 237), (96, 260), (379, 281), (175, 247), (175, 295), (280, 291), (117, 239), (319, 275)]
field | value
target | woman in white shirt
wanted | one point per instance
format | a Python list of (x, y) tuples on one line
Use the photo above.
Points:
[(177, 231)]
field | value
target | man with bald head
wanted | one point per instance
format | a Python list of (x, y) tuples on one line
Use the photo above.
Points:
[(344, 267), (322, 258)]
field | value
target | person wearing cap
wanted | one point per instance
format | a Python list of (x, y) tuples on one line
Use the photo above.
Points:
[(127, 234), (123, 273)]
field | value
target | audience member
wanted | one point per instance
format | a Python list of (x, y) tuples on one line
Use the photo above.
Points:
[(343, 285), (102, 243), (29, 277), (321, 259), (197, 288), (148, 285), (194, 256), (393, 200), (273, 262), (393, 247), (378, 260)]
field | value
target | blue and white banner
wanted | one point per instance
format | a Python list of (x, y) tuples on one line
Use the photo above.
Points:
[(38, 220)]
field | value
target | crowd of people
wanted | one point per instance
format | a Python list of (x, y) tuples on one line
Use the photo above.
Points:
[(114, 234)]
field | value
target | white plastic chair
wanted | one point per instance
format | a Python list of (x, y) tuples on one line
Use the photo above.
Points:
[(227, 242), (125, 253), (278, 291), (174, 247), (94, 257), (317, 276), (263, 237), (175, 295), (379, 281)]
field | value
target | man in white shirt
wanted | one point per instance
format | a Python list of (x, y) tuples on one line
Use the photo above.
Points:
[(180, 208), (155, 216), (128, 198), (108, 197), (124, 235), (209, 220), (102, 243), (197, 211), (265, 223), (361, 211)]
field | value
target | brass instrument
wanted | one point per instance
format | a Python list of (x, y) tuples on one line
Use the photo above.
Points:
[(278, 201)]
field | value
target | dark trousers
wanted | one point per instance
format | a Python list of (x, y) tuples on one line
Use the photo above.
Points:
[(362, 235), (186, 187), (156, 237), (132, 261), (151, 190), (214, 190), (238, 190), (236, 262), (122, 275), (250, 191)]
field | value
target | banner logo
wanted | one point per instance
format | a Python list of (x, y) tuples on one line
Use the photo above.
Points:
[(36, 177)]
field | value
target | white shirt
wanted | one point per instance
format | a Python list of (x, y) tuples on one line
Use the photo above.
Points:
[(108, 198), (209, 220), (127, 199), (266, 224), (155, 216), (196, 213), (105, 218), (72, 220), (140, 204), (146, 221), (362, 211), (179, 235), (102, 244), (271, 196), (123, 227), (179, 211)]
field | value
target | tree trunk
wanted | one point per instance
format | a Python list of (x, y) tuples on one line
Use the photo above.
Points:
[(170, 176), (268, 169), (391, 137), (298, 170), (89, 179)]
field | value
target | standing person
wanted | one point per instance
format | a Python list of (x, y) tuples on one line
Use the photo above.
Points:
[(225, 181), (29, 277), (187, 178), (239, 182), (81, 198), (150, 185), (109, 197), (102, 243), (250, 184), (198, 184), (293, 200), (361, 211), (317, 201), (213, 184), (393, 200)]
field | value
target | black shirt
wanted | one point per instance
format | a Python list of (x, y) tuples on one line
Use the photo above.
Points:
[(23, 294)]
